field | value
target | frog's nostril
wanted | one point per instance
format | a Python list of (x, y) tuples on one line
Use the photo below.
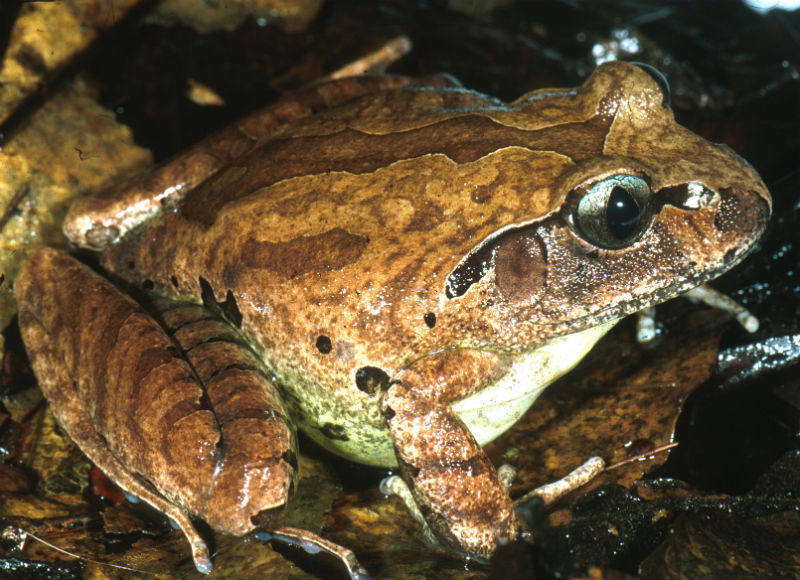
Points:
[(744, 211)]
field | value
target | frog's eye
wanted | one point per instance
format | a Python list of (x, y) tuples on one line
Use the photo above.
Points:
[(613, 212)]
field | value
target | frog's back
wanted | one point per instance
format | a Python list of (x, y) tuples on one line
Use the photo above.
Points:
[(358, 218)]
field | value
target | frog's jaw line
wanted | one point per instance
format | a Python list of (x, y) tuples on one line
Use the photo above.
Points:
[(677, 290), (615, 313)]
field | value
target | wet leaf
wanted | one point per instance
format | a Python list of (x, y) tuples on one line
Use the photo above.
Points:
[(757, 536), (748, 362), (47, 36), (720, 545), (68, 148), (623, 400)]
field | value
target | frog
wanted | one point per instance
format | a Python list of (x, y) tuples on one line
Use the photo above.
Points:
[(397, 267)]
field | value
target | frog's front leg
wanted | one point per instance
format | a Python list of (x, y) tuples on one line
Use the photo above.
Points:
[(167, 417), (452, 481)]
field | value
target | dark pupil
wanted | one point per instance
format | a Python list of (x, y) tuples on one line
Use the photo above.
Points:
[(622, 213)]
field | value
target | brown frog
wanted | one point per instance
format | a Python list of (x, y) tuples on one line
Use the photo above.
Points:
[(396, 267)]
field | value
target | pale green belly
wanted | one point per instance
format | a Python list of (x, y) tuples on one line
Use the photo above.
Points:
[(352, 426)]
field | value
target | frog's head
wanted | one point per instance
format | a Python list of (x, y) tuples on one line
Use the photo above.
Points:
[(659, 211)]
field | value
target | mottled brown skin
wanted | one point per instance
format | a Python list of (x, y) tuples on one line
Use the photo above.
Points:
[(396, 253), (176, 396)]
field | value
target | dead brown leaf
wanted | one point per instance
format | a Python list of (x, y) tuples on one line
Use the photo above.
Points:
[(68, 148), (46, 37)]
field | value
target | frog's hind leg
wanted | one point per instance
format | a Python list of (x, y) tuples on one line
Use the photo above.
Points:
[(258, 451), (185, 439)]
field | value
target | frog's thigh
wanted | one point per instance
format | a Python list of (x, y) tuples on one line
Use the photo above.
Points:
[(258, 457), (72, 416), (451, 478), (122, 390), (48, 283)]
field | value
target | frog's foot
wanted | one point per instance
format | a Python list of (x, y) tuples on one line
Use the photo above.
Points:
[(449, 476), (313, 544), (715, 299), (394, 485), (646, 329), (550, 492), (646, 324)]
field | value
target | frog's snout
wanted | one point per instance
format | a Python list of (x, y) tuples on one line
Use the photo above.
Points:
[(744, 212)]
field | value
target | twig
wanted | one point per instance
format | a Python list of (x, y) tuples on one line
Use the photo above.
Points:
[(13, 204), (25, 534)]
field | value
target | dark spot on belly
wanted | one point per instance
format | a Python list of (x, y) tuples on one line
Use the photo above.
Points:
[(227, 308), (333, 431), (174, 281), (370, 380), (330, 250), (388, 413), (147, 284), (430, 319), (324, 344)]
